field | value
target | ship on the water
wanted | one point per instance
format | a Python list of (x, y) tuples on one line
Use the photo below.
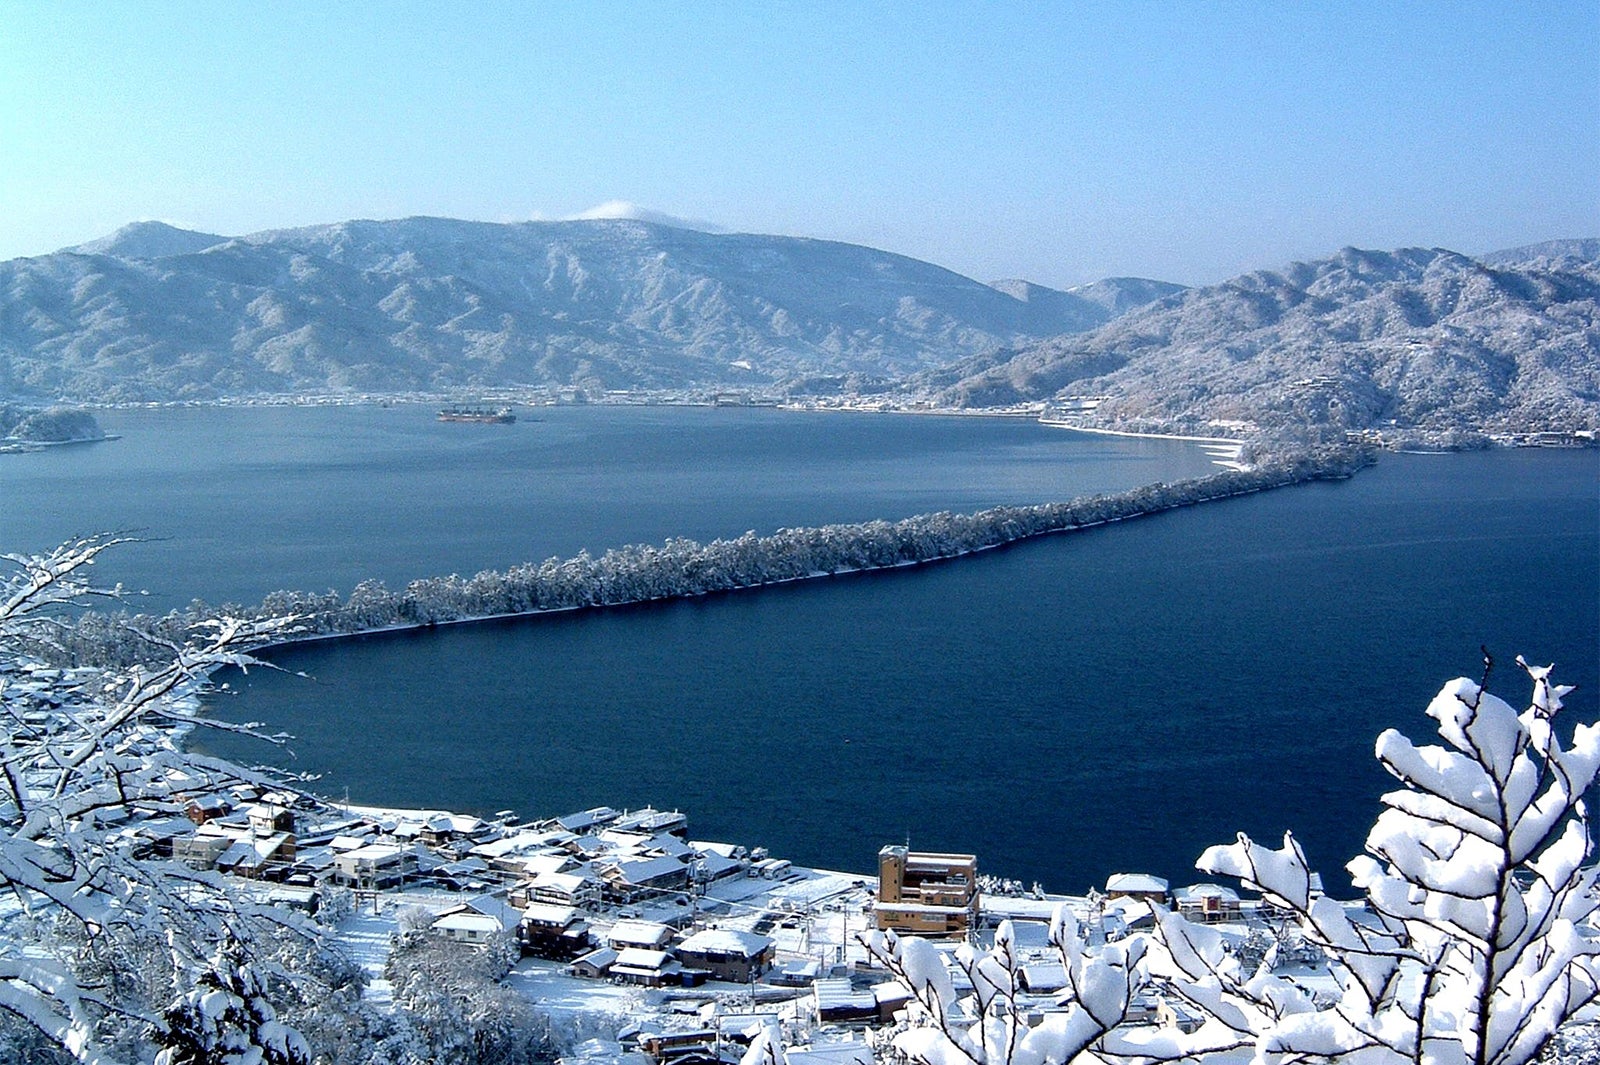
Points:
[(481, 415)]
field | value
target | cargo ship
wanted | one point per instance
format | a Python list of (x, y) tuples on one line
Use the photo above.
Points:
[(481, 415)]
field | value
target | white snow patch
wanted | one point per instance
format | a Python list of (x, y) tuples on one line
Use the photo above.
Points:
[(624, 209)]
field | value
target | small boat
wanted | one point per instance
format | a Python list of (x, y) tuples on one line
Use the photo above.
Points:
[(480, 415)]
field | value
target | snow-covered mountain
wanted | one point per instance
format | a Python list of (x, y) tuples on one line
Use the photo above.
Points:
[(154, 312), (1083, 307), (1583, 250), (1422, 338), (149, 240)]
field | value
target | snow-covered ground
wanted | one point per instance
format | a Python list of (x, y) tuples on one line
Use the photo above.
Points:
[(366, 933)]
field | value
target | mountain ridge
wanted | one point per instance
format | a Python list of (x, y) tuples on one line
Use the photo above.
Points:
[(1415, 338), (428, 303), (1581, 248), (148, 240), (1084, 307)]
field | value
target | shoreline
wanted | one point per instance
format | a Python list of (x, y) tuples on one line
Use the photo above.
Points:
[(539, 612), (1231, 440), (1391, 438), (14, 445)]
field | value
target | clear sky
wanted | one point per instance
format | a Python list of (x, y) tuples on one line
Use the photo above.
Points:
[(1061, 141)]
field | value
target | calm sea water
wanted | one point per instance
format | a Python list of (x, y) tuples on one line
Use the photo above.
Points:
[(236, 503), (1109, 700)]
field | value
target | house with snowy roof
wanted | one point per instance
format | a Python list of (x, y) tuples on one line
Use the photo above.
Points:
[(201, 849), (1042, 977), (710, 866), (1208, 903), (586, 847), (523, 854), (526, 842), (557, 933), (468, 926), (850, 1053), (839, 1002), (620, 841), (374, 866), (269, 819), (444, 828), (533, 865), (633, 933), (728, 954), (468, 874), (628, 878), (207, 807), (593, 965), (652, 968), (491, 905), (257, 857), (1141, 886), (574, 888)]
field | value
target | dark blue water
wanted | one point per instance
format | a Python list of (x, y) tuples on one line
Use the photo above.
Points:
[(1103, 701), (1109, 700), (239, 502)]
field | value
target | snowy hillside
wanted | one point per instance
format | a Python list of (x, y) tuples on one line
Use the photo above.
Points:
[(149, 240), (1421, 338), (154, 312), (1083, 307)]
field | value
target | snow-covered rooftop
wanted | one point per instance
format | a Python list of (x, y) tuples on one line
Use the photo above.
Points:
[(725, 941), (468, 921), (1135, 883)]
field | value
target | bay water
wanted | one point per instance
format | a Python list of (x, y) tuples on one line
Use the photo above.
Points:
[(1108, 700)]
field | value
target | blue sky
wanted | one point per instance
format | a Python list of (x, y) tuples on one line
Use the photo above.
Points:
[(1061, 142)]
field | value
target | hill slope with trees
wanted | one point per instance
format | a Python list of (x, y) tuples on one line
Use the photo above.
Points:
[(430, 304), (1416, 338)]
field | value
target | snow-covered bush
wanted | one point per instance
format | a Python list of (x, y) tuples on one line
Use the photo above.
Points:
[(454, 1004), (992, 1029), (1472, 949), (413, 919), (337, 905)]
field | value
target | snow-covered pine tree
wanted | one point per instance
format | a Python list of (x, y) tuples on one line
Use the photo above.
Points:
[(225, 1018)]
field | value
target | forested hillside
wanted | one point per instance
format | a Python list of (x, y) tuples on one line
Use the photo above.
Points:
[(1422, 338), (156, 313)]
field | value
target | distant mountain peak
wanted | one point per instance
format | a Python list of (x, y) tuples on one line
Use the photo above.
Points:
[(428, 303), (1584, 249), (624, 210), (1119, 295), (149, 240), (1083, 307)]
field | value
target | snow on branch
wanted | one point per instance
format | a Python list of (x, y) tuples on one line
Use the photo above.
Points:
[(80, 750), (1472, 946)]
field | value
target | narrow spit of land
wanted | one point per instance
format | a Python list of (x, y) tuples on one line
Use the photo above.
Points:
[(682, 568)]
